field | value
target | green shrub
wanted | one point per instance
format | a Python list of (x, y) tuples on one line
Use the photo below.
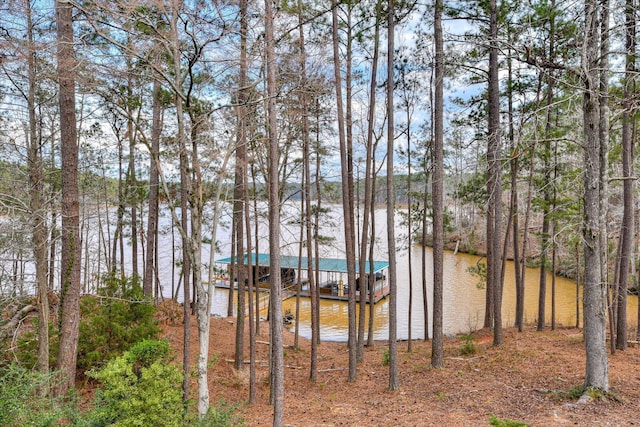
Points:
[(119, 317), (139, 388), (497, 422), (24, 403), (27, 349), (469, 346), (385, 357)]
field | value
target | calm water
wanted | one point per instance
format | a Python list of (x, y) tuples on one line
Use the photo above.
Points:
[(463, 301)]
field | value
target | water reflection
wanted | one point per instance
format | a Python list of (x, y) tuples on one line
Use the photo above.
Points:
[(463, 301)]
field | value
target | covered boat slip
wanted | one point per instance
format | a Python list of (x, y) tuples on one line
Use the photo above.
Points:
[(332, 271)]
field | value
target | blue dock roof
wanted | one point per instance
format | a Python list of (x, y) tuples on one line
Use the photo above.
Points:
[(324, 264)]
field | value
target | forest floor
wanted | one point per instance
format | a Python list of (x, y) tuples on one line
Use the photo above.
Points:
[(530, 379)]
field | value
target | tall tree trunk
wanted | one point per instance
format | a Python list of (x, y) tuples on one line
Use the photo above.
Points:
[(597, 369), (437, 352), (347, 206), (201, 300), (514, 208), (307, 217), (240, 187), (254, 315), (425, 299), (152, 222), (370, 341), (132, 187), (350, 240), (394, 382), (70, 266), (626, 233), (238, 193), (184, 200), (409, 231), (118, 241), (36, 203), (53, 240), (205, 298), (494, 216), (316, 225), (257, 240), (367, 235), (545, 241), (233, 274), (277, 351), (604, 156)]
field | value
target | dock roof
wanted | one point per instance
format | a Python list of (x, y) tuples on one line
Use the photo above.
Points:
[(337, 265)]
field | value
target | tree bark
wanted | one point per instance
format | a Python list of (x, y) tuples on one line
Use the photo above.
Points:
[(152, 222), (239, 190), (71, 248), (494, 213), (367, 241), (307, 217), (626, 233), (347, 206), (277, 352), (36, 202), (394, 382), (437, 352), (594, 300)]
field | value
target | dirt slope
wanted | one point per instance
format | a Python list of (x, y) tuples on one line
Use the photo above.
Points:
[(527, 379)]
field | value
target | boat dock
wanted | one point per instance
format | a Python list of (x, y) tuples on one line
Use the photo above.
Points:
[(332, 271)]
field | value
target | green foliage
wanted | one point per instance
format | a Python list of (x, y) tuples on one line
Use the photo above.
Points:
[(222, 415), (140, 388), (593, 392), (480, 271), (27, 352), (473, 191), (385, 357), (114, 321), (576, 392), (23, 403), (469, 346), (497, 422)]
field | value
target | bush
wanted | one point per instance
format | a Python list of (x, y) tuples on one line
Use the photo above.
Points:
[(114, 321), (386, 357), (140, 388), (497, 422), (24, 403), (469, 346), (27, 351)]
